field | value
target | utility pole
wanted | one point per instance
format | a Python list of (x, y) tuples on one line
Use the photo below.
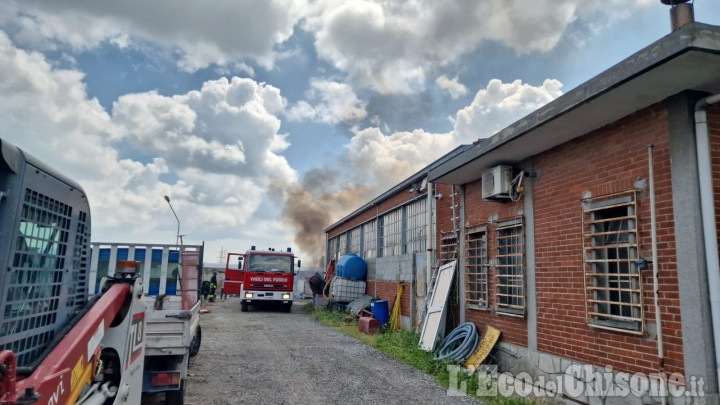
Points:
[(222, 255)]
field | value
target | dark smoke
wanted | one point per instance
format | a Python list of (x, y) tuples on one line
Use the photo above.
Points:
[(315, 204), (308, 220)]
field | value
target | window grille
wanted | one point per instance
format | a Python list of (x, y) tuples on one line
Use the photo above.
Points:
[(392, 233), (369, 239), (613, 284), (35, 278), (476, 267), (416, 234), (510, 288), (448, 247)]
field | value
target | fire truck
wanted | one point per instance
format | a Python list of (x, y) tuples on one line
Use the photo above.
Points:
[(262, 277), (65, 337)]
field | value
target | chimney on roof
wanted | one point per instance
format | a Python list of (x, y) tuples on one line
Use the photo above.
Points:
[(681, 13)]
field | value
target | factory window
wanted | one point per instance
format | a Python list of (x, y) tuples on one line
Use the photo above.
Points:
[(391, 234), (369, 239), (510, 287), (355, 240), (416, 233), (476, 267), (613, 288), (342, 244), (333, 248)]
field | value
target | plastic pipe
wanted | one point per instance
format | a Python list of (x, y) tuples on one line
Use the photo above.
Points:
[(707, 204)]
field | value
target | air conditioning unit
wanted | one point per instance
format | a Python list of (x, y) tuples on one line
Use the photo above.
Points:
[(496, 183)]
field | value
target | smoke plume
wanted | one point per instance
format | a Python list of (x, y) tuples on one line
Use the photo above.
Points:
[(315, 203)]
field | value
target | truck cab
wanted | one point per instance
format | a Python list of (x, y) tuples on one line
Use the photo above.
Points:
[(263, 276)]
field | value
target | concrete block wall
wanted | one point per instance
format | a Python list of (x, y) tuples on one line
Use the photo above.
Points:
[(395, 268), (543, 367)]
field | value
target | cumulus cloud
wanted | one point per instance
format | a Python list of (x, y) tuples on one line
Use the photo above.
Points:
[(227, 127), (202, 35), (391, 46), (452, 86), (334, 102), (212, 150), (385, 160), (499, 105)]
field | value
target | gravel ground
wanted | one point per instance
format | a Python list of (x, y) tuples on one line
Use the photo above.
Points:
[(271, 357)]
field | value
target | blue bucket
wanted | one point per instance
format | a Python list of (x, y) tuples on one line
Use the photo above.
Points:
[(380, 311)]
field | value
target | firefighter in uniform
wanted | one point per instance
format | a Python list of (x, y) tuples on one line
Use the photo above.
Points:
[(213, 286)]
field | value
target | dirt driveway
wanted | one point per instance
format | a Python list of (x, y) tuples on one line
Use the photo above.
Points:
[(271, 357)]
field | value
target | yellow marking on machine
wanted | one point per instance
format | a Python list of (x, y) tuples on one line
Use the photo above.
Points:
[(488, 341), (80, 377), (76, 373)]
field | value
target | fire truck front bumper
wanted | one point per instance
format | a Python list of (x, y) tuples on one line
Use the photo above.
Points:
[(250, 296)]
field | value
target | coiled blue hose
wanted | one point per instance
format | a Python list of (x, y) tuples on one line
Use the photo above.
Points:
[(459, 344)]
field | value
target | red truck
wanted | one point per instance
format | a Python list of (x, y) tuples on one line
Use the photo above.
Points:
[(262, 276)]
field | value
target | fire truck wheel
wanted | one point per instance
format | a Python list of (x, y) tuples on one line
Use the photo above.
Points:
[(176, 397), (287, 307), (195, 343), (243, 306)]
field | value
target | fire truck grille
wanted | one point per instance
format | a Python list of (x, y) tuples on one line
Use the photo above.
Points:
[(266, 285)]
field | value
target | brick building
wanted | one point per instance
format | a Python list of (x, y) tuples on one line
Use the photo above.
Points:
[(392, 234), (559, 247)]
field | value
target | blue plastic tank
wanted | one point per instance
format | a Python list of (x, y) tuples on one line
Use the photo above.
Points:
[(351, 267), (380, 311)]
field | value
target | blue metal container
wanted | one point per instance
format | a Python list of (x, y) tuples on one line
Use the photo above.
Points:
[(351, 267), (380, 311)]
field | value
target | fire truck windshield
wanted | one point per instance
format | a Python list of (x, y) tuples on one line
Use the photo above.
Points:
[(270, 263)]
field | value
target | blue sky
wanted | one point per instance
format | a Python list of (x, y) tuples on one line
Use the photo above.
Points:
[(265, 121)]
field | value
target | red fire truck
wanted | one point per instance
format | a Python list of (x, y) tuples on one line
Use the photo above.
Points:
[(262, 276)]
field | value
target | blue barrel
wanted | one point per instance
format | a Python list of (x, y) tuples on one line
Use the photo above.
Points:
[(351, 267), (380, 311)]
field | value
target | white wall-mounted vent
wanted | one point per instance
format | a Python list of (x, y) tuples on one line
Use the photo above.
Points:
[(497, 182)]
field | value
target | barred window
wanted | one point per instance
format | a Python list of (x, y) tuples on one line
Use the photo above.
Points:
[(355, 240), (369, 239), (476, 267), (448, 247), (613, 289), (391, 233), (416, 234), (510, 289)]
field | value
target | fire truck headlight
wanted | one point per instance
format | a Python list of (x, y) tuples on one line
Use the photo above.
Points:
[(286, 296), (248, 295)]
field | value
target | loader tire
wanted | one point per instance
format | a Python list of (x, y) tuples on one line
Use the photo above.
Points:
[(195, 343)]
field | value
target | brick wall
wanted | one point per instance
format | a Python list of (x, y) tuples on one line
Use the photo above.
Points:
[(713, 115), (444, 211), (612, 159), (481, 212), (387, 290)]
